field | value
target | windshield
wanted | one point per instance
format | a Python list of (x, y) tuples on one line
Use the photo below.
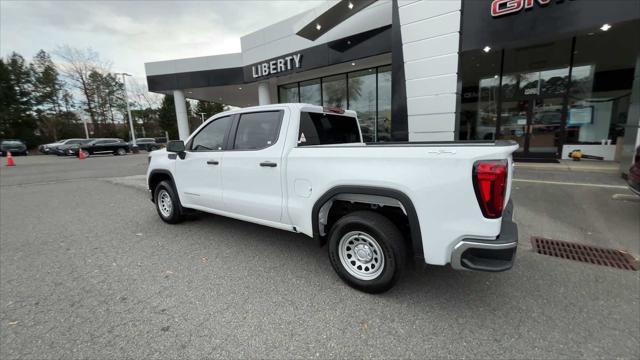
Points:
[(12, 142), (323, 129)]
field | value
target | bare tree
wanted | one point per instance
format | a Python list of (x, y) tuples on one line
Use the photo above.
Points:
[(141, 97), (77, 66)]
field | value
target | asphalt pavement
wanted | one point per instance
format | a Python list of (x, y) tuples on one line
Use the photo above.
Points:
[(88, 270)]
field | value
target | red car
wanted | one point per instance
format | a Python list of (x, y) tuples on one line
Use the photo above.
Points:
[(634, 174)]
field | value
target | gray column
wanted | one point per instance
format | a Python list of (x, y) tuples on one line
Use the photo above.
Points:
[(181, 114), (264, 97)]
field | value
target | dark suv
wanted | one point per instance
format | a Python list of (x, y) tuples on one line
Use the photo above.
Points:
[(147, 144), (15, 147), (70, 147), (104, 146)]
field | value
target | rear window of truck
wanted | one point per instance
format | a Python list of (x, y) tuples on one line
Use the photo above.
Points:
[(325, 129)]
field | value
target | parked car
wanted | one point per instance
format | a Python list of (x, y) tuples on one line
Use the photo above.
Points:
[(305, 169), (103, 146), (147, 144), (52, 147), (71, 147), (15, 147), (634, 174)]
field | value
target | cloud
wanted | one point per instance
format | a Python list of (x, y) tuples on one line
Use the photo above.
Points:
[(130, 33)]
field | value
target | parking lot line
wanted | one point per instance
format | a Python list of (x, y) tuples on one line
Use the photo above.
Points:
[(570, 183)]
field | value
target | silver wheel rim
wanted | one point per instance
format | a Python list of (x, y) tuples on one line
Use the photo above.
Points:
[(164, 203), (121, 152), (361, 255)]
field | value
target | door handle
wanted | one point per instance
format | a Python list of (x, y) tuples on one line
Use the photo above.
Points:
[(212, 162), (268, 164)]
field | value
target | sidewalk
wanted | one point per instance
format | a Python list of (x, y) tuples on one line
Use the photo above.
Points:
[(571, 165)]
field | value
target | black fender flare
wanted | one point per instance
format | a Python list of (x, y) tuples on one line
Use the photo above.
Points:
[(414, 222), (158, 172)]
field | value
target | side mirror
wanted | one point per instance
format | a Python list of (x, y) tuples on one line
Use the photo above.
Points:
[(176, 146)]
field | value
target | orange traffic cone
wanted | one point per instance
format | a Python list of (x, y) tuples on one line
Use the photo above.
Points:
[(10, 159), (81, 154)]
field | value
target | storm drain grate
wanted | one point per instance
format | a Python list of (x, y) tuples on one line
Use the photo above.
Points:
[(584, 253)]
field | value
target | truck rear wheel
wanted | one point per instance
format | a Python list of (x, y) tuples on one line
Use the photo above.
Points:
[(167, 203), (367, 251)]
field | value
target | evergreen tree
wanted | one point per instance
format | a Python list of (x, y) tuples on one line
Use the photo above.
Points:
[(167, 117), (51, 101), (17, 120)]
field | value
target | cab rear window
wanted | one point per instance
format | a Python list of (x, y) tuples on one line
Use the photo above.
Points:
[(325, 129)]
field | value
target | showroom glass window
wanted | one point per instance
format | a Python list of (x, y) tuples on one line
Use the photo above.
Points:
[(534, 87), (368, 92), (601, 84), (288, 93), (310, 92), (480, 73), (362, 99), (384, 104), (334, 91)]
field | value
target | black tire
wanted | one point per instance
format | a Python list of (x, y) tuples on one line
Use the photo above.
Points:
[(176, 214), (120, 151), (389, 239)]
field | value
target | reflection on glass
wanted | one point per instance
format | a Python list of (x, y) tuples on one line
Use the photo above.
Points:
[(310, 92), (384, 104), (582, 81), (514, 122), (487, 109), (509, 86), (362, 99), (545, 83), (372, 105), (554, 82), (480, 75), (334, 91), (288, 93), (530, 83), (602, 81), (546, 121)]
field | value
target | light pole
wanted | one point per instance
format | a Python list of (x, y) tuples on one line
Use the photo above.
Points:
[(126, 99), (202, 116), (86, 130)]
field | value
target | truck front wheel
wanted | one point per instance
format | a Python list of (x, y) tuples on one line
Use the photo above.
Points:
[(367, 251), (168, 203)]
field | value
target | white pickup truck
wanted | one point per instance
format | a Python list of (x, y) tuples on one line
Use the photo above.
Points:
[(305, 169)]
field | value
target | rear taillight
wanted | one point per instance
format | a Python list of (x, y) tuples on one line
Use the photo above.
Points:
[(490, 184)]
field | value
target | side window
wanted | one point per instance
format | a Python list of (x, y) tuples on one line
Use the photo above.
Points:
[(257, 130), (327, 129), (212, 136)]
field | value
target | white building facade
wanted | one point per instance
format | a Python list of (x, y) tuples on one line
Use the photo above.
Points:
[(532, 71)]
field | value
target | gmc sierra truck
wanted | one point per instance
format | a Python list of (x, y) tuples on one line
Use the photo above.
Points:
[(305, 169)]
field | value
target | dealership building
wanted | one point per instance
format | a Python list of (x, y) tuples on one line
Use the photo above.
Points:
[(553, 75)]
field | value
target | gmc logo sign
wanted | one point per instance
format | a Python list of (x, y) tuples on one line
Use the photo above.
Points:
[(504, 7)]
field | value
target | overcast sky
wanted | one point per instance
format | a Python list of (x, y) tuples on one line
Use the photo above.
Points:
[(130, 33)]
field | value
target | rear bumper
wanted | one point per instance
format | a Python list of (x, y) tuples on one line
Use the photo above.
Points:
[(489, 255)]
